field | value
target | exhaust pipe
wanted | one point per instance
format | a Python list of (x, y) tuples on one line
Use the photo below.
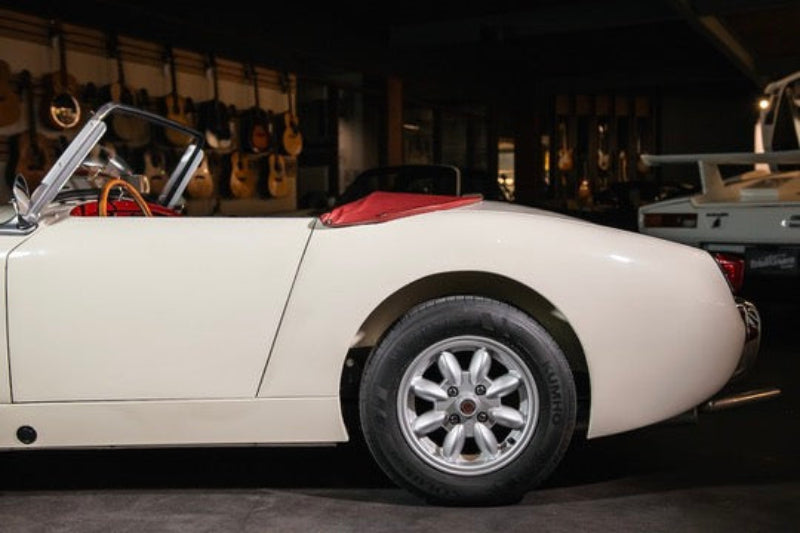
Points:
[(736, 400)]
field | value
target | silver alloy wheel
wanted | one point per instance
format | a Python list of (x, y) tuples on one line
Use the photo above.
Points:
[(468, 405)]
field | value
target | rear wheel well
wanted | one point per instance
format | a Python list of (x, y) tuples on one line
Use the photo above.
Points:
[(474, 283)]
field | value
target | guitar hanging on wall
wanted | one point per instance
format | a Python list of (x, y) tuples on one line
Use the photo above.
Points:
[(132, 130), (10, 108), (202, 183), (244, 174), (214, 115), (155, 169), (33, 156), (277, 181), (256, 123), (176, 107), (291, 137), (60, 107), (565, 158), (641, 167), (565, 153)]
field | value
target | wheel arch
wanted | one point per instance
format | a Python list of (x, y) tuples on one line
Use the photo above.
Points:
[(477, 283)]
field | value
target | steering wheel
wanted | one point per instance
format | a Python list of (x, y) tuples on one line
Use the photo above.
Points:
[(102, 203)]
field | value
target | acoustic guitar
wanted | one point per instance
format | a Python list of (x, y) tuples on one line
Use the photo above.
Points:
[(10, 107), (60, 107), (244, 174), (277, 181), (291, 138), (214, 118), (565, 159), (33, 153), (622, 163), (256, 123), (202, 183), (176, 107), (155, 169), (641, 167), (603, 154), (132, 130)]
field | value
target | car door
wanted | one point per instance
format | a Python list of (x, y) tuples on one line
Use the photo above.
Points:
[(148, 308)]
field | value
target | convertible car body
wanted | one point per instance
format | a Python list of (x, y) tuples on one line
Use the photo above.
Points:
[(492, 332)]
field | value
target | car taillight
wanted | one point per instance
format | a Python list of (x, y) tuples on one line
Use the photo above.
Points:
[(733, 268), (670, 220)]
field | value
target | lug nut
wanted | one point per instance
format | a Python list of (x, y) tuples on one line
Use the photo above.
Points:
[(452, 392), (454, 419), (480, 390), (482, 417)]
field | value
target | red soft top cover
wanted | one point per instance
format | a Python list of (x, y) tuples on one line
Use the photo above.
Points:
[(381, 206)]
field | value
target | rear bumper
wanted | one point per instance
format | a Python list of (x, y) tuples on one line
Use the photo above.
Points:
[(752, 341), (729, 398)]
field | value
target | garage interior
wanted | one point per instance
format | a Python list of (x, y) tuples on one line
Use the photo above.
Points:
[(498, 90)]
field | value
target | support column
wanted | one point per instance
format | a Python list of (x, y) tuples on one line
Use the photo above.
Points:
[(394, 121)]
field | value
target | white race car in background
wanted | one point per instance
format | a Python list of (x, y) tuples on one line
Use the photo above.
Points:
[(754, 214), (476, 338)]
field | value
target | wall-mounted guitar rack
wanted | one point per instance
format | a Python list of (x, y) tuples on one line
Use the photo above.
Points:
[(594, 141)]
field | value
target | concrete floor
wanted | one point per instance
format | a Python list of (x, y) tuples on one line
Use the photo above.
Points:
[(736, 470)]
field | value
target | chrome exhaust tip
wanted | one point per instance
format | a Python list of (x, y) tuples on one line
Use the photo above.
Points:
[(739, 399)]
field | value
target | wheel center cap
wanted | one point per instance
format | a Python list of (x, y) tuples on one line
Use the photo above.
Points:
[(467, 407)]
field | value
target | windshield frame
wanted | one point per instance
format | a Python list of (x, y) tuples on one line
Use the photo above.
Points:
[(83, 143)]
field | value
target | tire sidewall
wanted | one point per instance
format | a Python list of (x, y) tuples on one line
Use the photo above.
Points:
[(474, 316)]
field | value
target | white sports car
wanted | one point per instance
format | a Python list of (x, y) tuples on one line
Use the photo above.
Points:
[(754, 214), (478, 337)]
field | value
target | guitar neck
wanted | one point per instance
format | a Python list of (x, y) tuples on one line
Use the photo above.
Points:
[(63, 61), (214, 79), (254, 78), (31, 112), (173, 77), (120, 70)]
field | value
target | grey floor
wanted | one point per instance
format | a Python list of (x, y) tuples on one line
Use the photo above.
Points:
[(736, 470)]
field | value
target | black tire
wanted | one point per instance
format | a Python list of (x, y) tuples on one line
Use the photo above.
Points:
[(520, 349)]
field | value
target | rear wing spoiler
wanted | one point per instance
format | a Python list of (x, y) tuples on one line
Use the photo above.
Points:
[(710, 176)]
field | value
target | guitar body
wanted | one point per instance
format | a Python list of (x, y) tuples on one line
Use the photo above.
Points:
[(603, 160), (603, 153), (292, 139), (177, 109), (155, 169), (256, 130), (622, 162), (10, 105), (34, 158), (215, 121), (131, 130), (244, 175), (31, 150), (202, 183), (277, 181), (60, 108), (256, 124), (566, 161), (216, 124), (641, 167)]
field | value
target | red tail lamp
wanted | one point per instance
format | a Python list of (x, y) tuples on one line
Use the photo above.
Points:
[(733, 268)]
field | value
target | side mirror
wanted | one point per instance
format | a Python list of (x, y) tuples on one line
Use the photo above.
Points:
[(21, 196)]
